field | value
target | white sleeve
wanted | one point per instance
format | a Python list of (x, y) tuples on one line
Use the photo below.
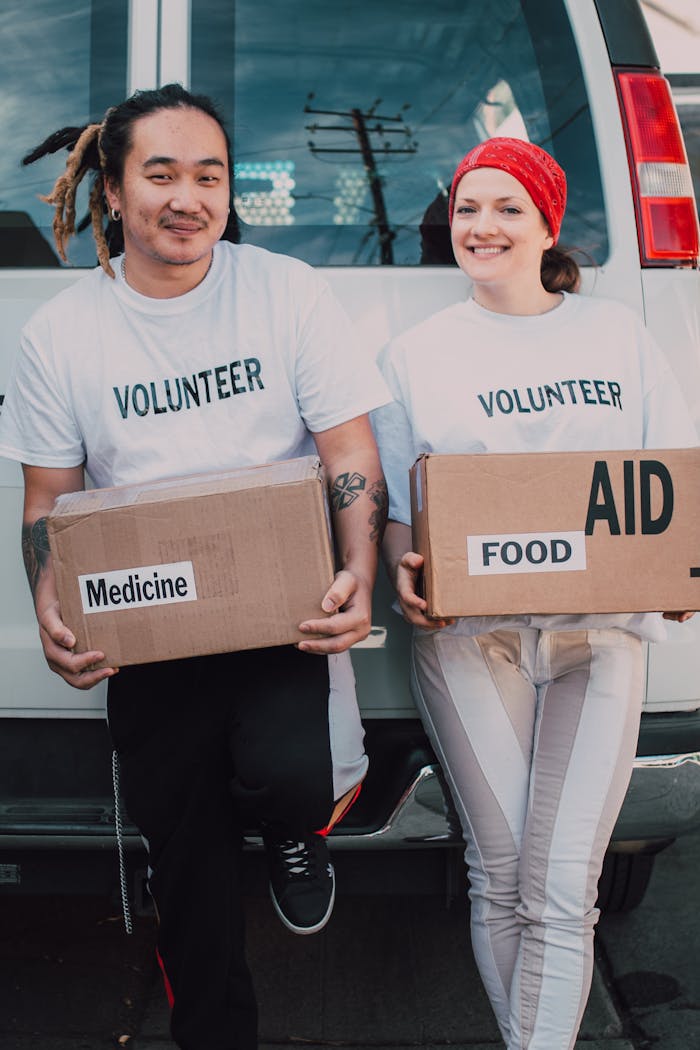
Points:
[(392, 429), (37, 425), (667, 419), (336, 378)]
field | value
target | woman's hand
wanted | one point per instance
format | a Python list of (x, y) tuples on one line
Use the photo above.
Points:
[(413, 607), (679, 617), (404, 567)]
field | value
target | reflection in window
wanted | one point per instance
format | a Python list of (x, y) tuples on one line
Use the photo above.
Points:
[(373, 105), (63, 64), (350, 202), (264, 193), (498, 114)]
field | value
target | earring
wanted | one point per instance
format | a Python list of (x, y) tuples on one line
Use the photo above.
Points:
[(115, 215)]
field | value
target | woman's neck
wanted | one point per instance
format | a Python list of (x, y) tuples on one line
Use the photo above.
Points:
[(521, 302)]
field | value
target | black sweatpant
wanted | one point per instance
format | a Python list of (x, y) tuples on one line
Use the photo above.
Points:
[(207, 747)]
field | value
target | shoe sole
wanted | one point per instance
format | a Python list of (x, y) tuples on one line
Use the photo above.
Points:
[(303, 931)]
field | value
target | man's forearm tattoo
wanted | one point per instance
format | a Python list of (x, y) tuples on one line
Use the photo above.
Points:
[(377, 519), (349, 486), (35, 550), (346, 488)]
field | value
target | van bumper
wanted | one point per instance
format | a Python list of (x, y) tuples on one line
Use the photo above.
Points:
[(662, 801), (404, 803)]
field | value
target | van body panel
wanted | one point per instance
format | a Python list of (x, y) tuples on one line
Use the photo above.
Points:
[(619, 276), (672, 314), (47, 789)]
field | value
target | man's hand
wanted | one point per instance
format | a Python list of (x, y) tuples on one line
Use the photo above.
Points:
[(679, 617), (349, 598), (358, 504), (41, 487), (58, 642)]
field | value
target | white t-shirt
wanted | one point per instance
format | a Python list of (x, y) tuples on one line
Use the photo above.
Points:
[(585, 376), (237, 372)]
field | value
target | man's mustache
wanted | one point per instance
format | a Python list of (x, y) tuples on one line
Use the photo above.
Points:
[(174, 217)]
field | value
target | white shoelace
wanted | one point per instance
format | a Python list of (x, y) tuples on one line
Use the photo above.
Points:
[(296, 857)]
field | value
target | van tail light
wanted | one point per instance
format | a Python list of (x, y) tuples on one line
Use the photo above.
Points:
[(667, 217)]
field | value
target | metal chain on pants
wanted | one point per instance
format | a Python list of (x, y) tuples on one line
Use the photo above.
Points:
[(128, 926)]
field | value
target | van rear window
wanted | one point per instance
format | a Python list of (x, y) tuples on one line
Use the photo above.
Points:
[(349, 118), (62, 64)]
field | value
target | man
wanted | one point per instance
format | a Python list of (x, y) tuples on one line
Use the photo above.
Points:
[(211, 745)]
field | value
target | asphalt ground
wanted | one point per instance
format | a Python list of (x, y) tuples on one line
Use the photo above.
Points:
[(389, 970)]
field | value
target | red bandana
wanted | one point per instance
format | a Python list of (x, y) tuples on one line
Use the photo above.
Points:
[(534, 169)]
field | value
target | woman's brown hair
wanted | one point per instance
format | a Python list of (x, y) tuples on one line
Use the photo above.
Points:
[(559, 271)]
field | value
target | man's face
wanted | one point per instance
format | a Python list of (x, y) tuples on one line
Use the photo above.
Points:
[(174, 195)]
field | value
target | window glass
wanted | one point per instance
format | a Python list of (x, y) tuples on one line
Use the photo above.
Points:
[(686, 95), (63, 64), (349, 118)]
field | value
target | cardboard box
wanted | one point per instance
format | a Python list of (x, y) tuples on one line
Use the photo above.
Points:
[(203, 564), (558, 532)]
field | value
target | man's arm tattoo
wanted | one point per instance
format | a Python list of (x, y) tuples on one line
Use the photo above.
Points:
[(346, 488), (377, 519), (35, 551)]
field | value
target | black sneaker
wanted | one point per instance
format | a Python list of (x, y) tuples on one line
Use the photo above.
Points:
[(302, 880)]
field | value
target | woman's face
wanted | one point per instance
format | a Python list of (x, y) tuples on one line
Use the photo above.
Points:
[(498, 233)]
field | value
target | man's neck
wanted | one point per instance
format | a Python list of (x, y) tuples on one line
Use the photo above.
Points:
[(164, 280)]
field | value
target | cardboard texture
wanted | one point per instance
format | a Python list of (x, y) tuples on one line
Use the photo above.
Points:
[(203, 564), (571, 532)]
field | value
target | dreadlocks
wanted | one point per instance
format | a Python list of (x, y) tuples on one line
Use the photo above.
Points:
[(102, 149), (84, 156)]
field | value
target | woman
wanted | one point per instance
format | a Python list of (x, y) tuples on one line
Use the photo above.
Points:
[(534, 718)]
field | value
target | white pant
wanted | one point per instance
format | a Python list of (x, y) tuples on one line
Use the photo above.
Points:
[(536, 731)]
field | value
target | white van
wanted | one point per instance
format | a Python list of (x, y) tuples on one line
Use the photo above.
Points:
[(685, 88), (348, 120)]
